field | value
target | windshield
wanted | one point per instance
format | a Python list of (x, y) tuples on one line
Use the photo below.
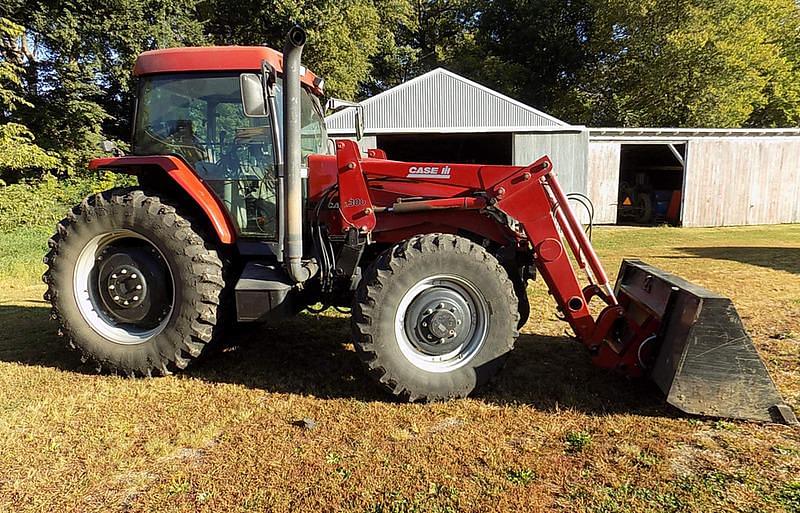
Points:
[(199, 117)]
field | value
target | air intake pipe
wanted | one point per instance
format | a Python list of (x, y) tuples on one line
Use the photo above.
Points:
[(293, 201)]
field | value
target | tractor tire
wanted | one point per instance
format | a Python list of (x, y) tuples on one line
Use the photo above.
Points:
[(134, 285), (434, 318)]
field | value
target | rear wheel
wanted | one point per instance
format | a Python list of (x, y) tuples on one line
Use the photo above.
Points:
[(134, 285), (435, 317)]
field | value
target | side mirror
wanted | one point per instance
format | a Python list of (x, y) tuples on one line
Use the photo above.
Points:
[(253, 100), (335, 104)]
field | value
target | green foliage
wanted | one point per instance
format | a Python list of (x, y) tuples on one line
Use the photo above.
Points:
[(520, 476), (704, 63), (528, 49), (18, 153), (576, 441), (10, 80), (343, 34), (44, 202), (789, 496), (420, 36), (75, 60)]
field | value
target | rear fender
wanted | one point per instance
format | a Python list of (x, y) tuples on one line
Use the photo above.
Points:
[(183, 177)]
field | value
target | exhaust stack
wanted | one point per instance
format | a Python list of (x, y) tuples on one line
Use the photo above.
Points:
[(293, 209)]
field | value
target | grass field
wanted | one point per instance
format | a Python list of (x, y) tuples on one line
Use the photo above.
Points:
[(552, 434)]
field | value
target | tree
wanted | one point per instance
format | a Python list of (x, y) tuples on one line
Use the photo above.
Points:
[(705, 63), (18, 152), (76, 58), (343, 34), (530, 49)]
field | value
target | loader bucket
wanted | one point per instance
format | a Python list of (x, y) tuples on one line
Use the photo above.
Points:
[(706, 363)]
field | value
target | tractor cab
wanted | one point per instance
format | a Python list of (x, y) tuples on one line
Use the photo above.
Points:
[(198, 116)]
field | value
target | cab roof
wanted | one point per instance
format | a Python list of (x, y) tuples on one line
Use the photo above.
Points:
[(217, 58)]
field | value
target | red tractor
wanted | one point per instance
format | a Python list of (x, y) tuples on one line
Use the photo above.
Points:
[(245, 210)]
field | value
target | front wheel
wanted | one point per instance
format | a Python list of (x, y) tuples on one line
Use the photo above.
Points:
[(134, 285), (435, 317)]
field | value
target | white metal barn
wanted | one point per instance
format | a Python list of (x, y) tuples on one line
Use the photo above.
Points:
[(444, 117), (714, 177)]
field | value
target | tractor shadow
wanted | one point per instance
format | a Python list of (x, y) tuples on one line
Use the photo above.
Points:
[(779, 259), (27, 336), (312, 355)]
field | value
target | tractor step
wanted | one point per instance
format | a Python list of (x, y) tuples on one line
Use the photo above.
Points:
[(261, 291), (706, 363)]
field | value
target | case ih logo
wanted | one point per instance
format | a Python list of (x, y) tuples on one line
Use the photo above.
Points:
[(428, 172)]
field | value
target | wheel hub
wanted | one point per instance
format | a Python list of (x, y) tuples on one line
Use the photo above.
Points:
[(127, 286), (441, 324), (439, 320), (123, 273)]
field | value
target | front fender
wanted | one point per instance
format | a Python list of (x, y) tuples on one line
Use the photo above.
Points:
[(178, 171)]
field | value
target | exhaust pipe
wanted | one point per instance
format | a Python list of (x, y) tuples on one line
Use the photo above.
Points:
[(293, 210)]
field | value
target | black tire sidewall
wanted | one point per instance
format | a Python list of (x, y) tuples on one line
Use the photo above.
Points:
[(147, 220), (489, 280)]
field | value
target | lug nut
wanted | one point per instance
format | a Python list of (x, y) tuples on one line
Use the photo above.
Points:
[(111, 287), (138, 287), (458, 321), (114, 276), (126, 303), (442, 341), (116, 298), (136, 298), (124, 271), (441, 305), (452, 333), (133, 276), (428, 311), (424, 324)]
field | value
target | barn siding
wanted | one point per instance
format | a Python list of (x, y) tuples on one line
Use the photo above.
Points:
[(738, 181), (603, 180), (442, 102), (568, 151)]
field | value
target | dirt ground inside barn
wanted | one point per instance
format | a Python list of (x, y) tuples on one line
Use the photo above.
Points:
[(553, 433)]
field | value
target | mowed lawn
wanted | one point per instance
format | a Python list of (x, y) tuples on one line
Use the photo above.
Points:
[(552, 434)]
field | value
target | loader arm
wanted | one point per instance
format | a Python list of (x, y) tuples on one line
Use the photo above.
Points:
[(688, 339), (530, 195)]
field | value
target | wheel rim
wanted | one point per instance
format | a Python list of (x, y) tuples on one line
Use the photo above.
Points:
[(123, 287), (441, 323)]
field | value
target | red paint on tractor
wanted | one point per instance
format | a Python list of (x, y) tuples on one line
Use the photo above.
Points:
[(395, 200), (217, 58), (183, 175)]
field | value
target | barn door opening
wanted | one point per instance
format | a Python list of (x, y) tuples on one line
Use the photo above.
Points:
[(651, 180), (457, 148)]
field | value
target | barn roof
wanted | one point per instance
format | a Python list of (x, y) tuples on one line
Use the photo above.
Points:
[(442, 102)]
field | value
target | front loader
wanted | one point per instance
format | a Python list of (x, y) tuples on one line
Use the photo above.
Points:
[(246, 211)]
